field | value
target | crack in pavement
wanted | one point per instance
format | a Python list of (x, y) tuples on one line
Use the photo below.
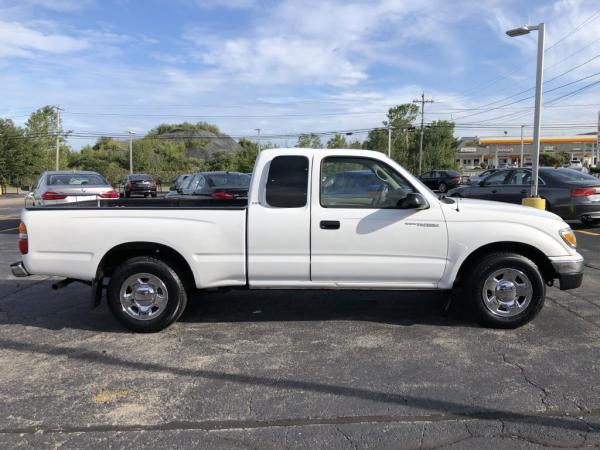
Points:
[(544, 391), (559, 304)]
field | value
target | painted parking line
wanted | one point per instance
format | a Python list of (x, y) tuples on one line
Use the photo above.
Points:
[(590, 233)]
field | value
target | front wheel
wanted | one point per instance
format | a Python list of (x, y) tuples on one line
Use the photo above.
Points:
[(506, 290), (146, 295)]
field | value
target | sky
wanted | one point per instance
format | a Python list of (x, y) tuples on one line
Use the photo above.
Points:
[(295, 66)]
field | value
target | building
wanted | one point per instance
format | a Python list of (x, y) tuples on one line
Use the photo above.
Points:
[(499, 151)]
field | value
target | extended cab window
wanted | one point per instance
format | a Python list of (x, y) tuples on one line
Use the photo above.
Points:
[(287, 182), (361, 183)]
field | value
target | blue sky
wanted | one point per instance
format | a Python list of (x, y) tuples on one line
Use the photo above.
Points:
[(293, 65)]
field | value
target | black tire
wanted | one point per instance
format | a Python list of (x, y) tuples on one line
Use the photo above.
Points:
[(484, 269), (176, 294), (154, 195), (443, 187), (127, 194), (589, 221)]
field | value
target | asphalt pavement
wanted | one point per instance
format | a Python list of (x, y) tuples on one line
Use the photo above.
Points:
[(290, 369)]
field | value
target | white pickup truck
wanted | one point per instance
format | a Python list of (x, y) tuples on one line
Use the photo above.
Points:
[(314, 219)]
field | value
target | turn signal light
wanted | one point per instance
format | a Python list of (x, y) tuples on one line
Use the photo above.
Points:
[(569, 237), (23, 240)]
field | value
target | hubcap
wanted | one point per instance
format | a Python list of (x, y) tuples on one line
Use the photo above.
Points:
[(507, 292), (143, 296)]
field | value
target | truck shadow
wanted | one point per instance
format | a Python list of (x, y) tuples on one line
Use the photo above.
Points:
[(391, 307), (35, 304)]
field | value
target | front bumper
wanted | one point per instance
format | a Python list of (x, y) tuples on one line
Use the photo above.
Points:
[(569, 271), (19, 270)]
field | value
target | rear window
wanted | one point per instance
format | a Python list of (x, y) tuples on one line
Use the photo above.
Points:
[(140, 177), (453, 173), (228, 179), (75, 179), (571, 175), (287, 182)]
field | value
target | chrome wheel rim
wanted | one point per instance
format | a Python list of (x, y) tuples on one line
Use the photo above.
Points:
[(143, 296), (507, 292)]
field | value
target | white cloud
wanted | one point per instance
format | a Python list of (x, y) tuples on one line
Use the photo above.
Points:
[(18, 40)]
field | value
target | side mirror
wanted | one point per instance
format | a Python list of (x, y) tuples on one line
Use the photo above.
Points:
[(413, 200)]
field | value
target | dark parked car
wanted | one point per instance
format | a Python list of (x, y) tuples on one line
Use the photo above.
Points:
[(216, 186), (568, 193), (139, 184), (178, 183), (441, 180)]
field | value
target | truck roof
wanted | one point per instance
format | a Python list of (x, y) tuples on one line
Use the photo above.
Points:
[(328, 151)]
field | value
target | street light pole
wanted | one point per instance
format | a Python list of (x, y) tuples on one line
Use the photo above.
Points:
[(422, 102), (58, 110), (534, 200), (258, 135), (131, 133), (522, 145)]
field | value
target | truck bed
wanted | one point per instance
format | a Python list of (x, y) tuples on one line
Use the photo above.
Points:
[(147, 203)]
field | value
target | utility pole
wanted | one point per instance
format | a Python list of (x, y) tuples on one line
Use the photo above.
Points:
[(522, 145), (131, 133), (58, 110), (422, 102), (258, 134), (389, 140)]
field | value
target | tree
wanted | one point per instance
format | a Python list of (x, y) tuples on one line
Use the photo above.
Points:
[(40, 130), (311, 140), (223, 160), (400, 118), (554, 159), (439, 146), (337, 141), (247, 157), (15, 161)]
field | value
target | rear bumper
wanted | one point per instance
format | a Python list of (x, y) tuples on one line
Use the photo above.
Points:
[(569, 271), (19, 270), (591, 211)]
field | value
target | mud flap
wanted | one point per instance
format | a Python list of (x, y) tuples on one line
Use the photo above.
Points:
[(97, 286)]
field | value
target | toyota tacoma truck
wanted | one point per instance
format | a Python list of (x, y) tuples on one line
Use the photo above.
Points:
[(314, 219)]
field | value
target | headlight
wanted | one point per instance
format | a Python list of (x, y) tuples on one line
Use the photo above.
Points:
[(568, 236)]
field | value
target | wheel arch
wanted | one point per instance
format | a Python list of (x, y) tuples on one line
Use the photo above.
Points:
[(529, 251), (122, 252)]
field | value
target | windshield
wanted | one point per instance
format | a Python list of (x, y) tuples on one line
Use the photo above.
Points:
[(75, 179), (140, 177), (229, 179), (572, 175)]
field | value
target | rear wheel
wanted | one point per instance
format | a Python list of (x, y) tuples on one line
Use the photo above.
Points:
[(506, 290), (146, 295), (154, 194), (443, 187)]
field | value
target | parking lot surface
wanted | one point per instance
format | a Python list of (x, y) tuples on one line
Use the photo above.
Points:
[(287, 369)]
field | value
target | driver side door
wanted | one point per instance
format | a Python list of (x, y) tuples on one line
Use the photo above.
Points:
[(362, 239)]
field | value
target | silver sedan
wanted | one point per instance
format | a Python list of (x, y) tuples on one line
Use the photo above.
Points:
[(55, 187)]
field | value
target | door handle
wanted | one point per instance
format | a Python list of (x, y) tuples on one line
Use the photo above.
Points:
[(330, 224)]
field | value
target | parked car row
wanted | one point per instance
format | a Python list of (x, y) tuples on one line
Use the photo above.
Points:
[(571, 194), (212, 185)]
